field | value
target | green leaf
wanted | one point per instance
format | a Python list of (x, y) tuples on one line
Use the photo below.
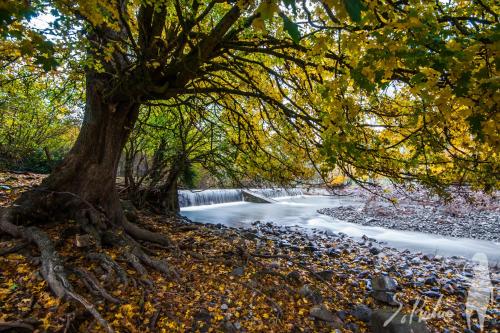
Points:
[(361, 80), (354, 8), (462, 85), (475, 123), (292, 29), (291, 3), (47, 63)]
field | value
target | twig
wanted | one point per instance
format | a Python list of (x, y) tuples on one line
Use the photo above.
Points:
[(13, 248), (11, 326)]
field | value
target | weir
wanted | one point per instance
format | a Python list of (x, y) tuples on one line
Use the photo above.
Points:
[(189, 198)]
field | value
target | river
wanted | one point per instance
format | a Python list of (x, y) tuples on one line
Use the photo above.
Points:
[(301, 211)]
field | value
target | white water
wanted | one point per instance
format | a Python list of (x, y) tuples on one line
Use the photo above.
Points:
[(217, 196), (208, 197), (302, 211)]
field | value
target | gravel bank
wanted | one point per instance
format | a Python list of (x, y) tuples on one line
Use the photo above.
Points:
[(478, 219)]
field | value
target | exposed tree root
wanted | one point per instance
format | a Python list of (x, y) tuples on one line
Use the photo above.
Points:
[(276, 307), (109, 265), (145, 235), (92, 222), (16, 326), (94, 286), (14, 248), (52, 267)]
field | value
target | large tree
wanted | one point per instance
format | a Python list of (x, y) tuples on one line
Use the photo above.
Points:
[(404, 89)]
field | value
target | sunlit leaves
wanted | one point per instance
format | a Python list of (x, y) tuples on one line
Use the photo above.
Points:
[(267, 9), (395, 88)]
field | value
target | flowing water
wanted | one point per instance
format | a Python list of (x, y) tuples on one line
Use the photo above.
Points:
[(302, 211), (189, 198)]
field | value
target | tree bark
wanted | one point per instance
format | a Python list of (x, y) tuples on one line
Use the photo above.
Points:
[(170, 193), (89, 169)]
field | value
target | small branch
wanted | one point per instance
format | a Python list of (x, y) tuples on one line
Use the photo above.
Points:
[(13, 248)]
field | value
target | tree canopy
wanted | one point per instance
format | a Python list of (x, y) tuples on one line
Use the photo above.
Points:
[(404, 89)]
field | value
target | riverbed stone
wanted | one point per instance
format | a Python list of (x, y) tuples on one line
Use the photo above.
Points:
[(408, 273), (202, 321), (431, 294), (400, 323), (384, 283), (362, 312), (238, 271), (383, 289), (385, 297), (311, 294), (333, 252), (431, 280), (274, 265), (326, 274), (321, 312), (294, 277)]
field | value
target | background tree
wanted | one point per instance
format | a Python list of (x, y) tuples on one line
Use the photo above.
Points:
[(164, 148), (174, 141), (39, 118)]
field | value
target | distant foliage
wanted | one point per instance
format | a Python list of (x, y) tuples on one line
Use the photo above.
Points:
[(38, 120)]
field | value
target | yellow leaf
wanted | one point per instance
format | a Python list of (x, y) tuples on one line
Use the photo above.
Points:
[(259, 25)]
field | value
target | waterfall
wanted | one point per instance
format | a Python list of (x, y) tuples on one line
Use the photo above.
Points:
[(216, 196), (208, 197)]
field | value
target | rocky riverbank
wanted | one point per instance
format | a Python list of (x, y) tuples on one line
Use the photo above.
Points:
[(472, 216), (357, 285)]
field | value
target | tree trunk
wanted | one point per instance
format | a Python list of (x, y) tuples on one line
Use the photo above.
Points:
[(89, 169), (170, 193)]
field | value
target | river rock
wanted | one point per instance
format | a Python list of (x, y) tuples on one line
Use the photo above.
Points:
[(399, 324), (416, 261), (202, 321), (294, 277), (363, 274), (311, 293), (238, 271), (385, 297), (362, 312), (431, 280), (431, 294), (274, 265), (326, 274), (228, 327), (320, 312), (408, 273), (383, 283), (333, 252), (383, 289)]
